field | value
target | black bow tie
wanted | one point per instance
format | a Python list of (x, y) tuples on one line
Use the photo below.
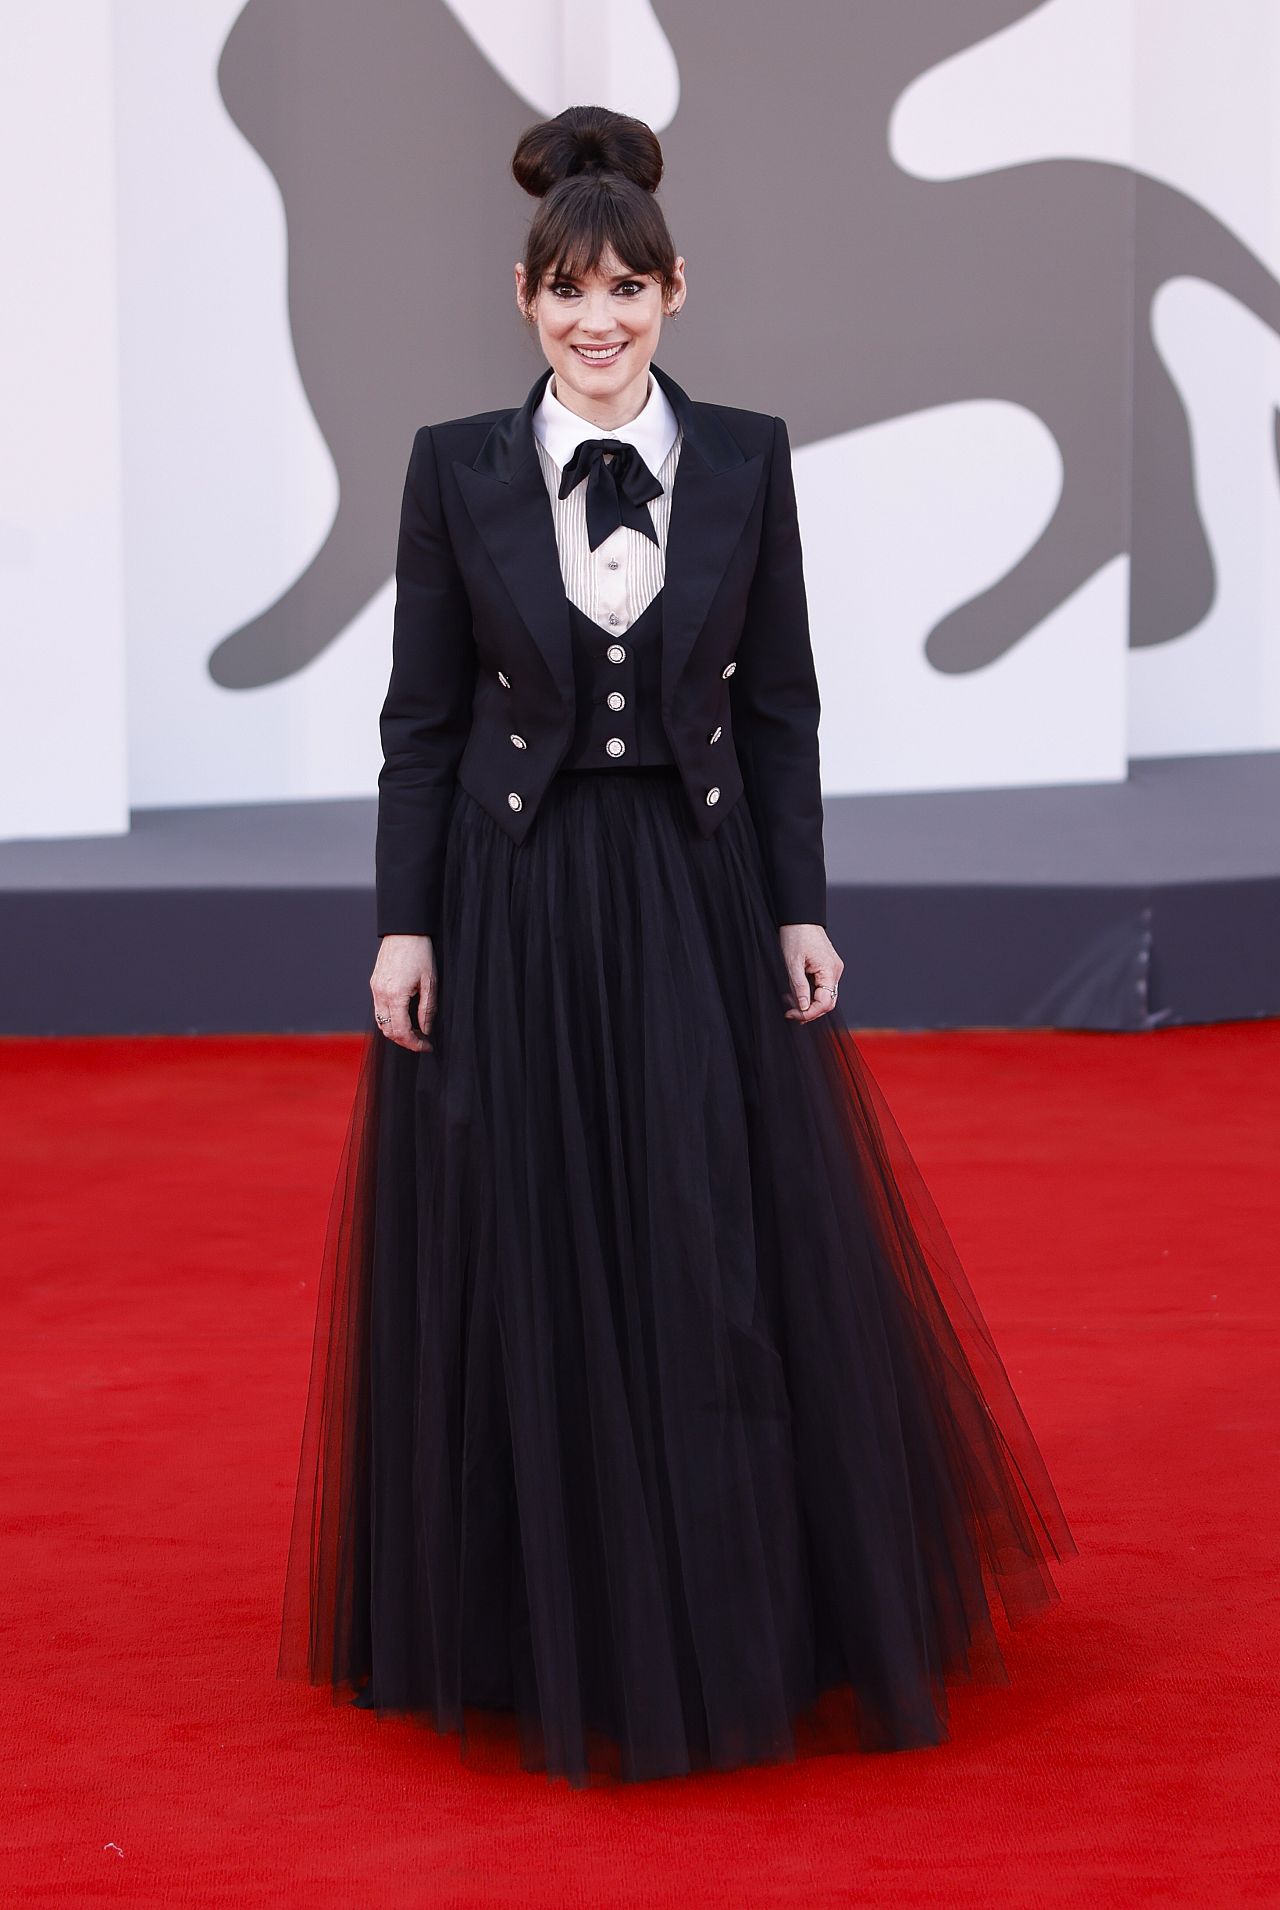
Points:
[(617, 493)]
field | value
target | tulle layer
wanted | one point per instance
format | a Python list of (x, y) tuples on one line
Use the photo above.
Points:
[(652, 1424)]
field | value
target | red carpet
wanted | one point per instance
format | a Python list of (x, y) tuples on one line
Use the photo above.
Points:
[(1117, 1203)]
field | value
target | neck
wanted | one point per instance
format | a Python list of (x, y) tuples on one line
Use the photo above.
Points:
[(612, 409)]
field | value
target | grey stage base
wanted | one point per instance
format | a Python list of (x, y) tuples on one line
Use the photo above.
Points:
[(1122, 906)]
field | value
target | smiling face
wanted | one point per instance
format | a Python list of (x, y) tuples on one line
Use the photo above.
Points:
[(599, 333)]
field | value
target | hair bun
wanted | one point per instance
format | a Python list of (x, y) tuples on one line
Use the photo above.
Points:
[(587, 139)]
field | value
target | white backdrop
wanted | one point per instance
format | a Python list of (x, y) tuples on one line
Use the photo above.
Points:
[(62, 622)]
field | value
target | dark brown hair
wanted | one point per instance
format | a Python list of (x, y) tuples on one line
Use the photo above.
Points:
[(595, 173)]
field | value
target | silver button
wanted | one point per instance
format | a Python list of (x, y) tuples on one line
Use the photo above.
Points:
[(615, 746), (616, 700), (713, 795), (504, 681), (613, 563), (519, 742), (728, 669), (615, 653), (612, 618), (715, 734), (514, 800)]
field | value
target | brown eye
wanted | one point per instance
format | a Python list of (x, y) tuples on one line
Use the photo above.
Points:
[(566, 285)]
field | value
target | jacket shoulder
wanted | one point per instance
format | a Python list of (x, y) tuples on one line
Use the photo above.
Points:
[(476, 422), (752, 430), (434, 444)]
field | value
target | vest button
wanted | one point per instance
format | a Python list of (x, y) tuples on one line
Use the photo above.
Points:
[(616, 700), (615, 653), (715, 735), (728, 669), (504, 681), (713, 795), (615, 746), (514, 800), (519, 742)]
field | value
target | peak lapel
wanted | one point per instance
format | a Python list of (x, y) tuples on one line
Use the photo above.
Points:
[(710, 502), (506, 494)]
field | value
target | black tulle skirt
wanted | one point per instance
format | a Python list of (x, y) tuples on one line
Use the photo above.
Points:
[(652, 1424)]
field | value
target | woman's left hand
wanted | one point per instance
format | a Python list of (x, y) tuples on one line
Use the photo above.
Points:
[(814, 970)]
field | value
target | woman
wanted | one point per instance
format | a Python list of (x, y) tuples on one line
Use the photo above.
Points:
[(650, 1408)]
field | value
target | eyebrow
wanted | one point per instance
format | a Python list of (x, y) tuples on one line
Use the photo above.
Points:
[(617, 278)]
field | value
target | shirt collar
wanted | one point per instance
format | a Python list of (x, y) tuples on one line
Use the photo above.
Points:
[(653, 432)]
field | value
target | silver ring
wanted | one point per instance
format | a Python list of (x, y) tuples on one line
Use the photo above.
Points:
[(382, 1020)]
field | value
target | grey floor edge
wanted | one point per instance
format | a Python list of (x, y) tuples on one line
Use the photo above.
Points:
[(1126, 905)]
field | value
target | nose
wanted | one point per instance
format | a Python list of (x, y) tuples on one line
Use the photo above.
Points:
[(595, 320)]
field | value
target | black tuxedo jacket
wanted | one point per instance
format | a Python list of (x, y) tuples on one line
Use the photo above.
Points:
[(481, 649)]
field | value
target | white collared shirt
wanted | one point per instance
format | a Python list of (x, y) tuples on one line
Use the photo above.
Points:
[(616, 581)]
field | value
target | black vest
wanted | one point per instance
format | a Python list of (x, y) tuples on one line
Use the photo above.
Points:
[(627, 668)]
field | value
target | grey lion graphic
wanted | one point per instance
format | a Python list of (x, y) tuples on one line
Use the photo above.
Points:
[(826, 284)]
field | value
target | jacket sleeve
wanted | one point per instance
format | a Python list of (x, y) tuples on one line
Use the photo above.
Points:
[(776, 707), (426, 716)]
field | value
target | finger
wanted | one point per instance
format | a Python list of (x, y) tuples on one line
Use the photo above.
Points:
[(824, 982), (381, 1006), (799, 980), (397, 1026), (823, 1000), (404, 1028)]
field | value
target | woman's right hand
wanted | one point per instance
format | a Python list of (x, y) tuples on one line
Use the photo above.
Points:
[(406, 966)]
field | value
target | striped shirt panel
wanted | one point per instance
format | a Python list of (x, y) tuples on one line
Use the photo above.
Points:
[(614, 583)]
